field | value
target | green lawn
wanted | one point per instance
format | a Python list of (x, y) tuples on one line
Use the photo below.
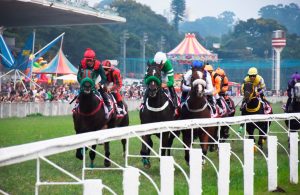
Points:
[(20, 178)]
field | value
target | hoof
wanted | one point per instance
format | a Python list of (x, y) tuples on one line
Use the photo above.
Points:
[(107, 163), (254, 149), (146, 163), (79, 154), (92, 165)]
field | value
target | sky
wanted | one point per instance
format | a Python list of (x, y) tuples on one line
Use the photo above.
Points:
[(243, 9)]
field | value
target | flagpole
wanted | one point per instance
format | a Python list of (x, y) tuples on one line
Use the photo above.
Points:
[(31, 64), (49, 44)]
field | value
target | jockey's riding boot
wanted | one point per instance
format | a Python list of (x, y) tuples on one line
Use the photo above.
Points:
[(120, 105), (174, 99), (288, 106), (242, 105), (220, 106), (173, 96), (211, 102), (105, 99)]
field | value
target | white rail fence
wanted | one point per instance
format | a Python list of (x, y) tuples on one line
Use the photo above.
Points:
[(131, 175), (64, 108)]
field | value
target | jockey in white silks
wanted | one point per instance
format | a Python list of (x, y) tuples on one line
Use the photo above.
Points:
[(186, 85)]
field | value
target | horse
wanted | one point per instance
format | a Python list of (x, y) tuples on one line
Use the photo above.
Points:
[(196, 106), (254, 105), (230, 111), (158, 107), (293, 125), (90, 116)]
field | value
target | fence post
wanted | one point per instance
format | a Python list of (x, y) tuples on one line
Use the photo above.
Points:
[(224, 168), (195, 187), (272, 163), (92, 186), (167, 175), (248, 166), (294, 157), (131, 181)]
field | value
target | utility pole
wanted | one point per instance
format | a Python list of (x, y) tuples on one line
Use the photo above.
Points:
[(162, 42), (124, 39), (145, 39)]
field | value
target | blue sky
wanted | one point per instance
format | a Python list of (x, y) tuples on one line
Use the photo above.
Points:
[(243, 9)]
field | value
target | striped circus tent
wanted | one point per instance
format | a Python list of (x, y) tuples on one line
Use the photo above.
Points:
[(58, 65), (190, 49)]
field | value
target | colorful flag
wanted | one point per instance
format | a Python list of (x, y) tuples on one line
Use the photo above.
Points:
[(6, 55)]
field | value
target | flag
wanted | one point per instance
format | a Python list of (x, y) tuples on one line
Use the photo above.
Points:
[(7, 58), (44, 50), (23, 60)]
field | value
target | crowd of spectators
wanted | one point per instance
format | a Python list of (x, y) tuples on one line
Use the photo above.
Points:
[(46, 93), (53, 92)]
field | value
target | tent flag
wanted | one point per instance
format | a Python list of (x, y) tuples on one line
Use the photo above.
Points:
[(58, 65), (23, 60), (44, 50), (7, 57)]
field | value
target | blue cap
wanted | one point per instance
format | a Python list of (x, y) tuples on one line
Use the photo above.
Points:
[(197, 64)]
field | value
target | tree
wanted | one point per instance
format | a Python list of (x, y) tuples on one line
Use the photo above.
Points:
[(211, 26), (286, 15), (178, 9)]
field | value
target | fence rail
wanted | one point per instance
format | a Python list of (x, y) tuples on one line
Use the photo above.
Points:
[(40, 150), (64, 108)]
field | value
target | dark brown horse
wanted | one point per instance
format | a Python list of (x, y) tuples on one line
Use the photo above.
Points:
[(254, 105), (195, 107), (90, 116), (158, 108), (230, 111), (294, 125)]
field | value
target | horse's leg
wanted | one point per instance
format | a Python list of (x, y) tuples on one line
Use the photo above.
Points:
[(262, 134), (124, 147), (213, 147), (186, 135), (204, 138), (165, 142), (79, 153), (170, 141), (107, 163), (92, 155), (144, 151)]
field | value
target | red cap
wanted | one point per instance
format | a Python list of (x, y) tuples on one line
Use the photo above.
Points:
[(106, 64), (89, 54)]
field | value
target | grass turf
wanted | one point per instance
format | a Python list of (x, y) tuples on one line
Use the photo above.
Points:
[(20, 178)]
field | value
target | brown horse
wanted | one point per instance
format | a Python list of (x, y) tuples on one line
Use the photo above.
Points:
[(90, 116), (254, 106), (196, 106)]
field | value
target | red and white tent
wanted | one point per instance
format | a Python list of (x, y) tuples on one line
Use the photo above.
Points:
[(190, 49)]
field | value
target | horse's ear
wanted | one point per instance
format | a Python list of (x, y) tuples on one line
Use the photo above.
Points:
[(148, 63)]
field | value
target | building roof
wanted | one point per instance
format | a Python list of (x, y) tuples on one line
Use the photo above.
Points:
[(21, 13)]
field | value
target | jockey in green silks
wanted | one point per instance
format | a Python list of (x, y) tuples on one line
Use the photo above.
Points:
[(160, 59)]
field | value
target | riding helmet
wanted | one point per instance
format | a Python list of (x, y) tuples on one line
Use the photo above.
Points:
[(160, 58), (208, 67), (252, 71), (197, 64), (89, 54)]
